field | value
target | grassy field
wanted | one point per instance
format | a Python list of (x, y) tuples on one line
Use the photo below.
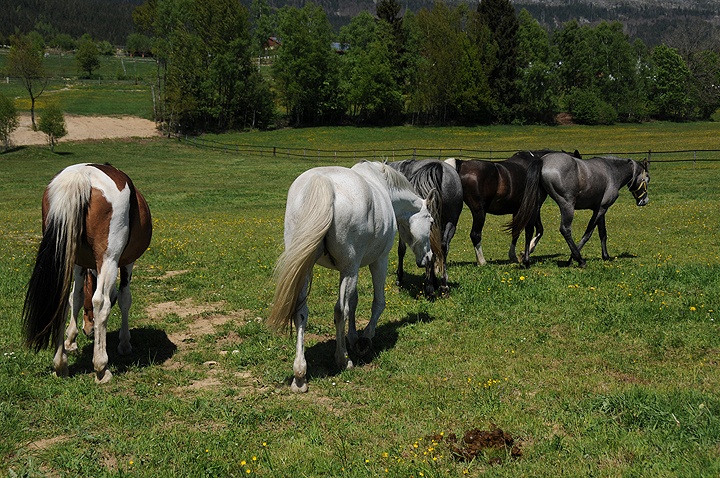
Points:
[(611, 370), (121, 86)]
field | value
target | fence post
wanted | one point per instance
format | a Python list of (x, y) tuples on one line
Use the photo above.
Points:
[(274, 151)]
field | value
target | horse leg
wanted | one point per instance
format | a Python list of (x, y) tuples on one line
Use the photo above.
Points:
[(448, 234), (378, 272), (512, 256), (76, 300), (533, 224), (300, 318), (102, 303), (589, 229), (124, 301), (345, 313), (566, 217), (431, 281), (602, 231), (90, 288), (539, 229), (476, 235), (401, 256), (60, 361)]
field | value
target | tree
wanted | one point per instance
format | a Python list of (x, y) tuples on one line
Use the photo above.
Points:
[(671, 92), (206, 76), (26, 62), (52, 123), (537, 82), (306, 67), (367, 80), (87, 56), (499, 16), (8, 120), (138, 44)]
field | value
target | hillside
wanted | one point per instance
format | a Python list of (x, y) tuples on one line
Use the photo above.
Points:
[(652, 21)]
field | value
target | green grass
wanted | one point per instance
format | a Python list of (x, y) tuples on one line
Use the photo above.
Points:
[(611, 370), (121, 86)]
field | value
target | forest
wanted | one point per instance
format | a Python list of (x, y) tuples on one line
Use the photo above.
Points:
[(485, 63)]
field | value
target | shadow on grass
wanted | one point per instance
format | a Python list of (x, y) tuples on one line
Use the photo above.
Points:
[(150, 347), (321, 356)]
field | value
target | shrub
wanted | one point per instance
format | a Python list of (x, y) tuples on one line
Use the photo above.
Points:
[(8, 120), (587, 107), (52, 123)]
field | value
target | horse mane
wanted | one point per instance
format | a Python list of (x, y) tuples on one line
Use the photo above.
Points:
[(394, 179)]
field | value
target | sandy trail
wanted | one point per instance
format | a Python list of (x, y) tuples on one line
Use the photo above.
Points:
[(86, 127)]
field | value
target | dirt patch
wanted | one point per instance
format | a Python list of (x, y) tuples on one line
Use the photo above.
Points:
[(564, 119), (491, 445), (81, 128), (47, 443)]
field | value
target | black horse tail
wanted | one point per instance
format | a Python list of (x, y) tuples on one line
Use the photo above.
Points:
[(46, 301), (528, 206)]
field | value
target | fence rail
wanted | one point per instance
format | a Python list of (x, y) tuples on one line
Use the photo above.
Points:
[(684, 155)]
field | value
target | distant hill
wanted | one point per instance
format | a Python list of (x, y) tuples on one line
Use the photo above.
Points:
[(653, 21), (109, 20)]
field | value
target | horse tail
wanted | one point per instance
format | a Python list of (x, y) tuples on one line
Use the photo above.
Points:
[(298, 259), (68, 196), (427, 179), (434, 205), (528, 206)]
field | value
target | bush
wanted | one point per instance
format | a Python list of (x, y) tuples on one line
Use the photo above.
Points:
[(8, 120), (587, 107), (52, 123)]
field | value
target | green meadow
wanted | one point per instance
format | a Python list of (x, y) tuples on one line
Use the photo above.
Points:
[(611, 370)]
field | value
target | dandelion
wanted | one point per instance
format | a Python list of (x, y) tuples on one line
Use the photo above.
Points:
[(692, 309), (522, 277)]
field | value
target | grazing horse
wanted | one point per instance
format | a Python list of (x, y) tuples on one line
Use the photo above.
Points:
[(345, 219), (580, 184), (94, 223), (497, 188), (426, 175)]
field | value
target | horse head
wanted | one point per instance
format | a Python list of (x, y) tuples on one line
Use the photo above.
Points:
[(421, 230), (638, 185)]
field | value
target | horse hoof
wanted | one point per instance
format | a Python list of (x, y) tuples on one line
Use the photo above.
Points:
[(71, 348), (363, 346), (63, 372), (444, 290), (299, 385), (124, 349), (103, 377)]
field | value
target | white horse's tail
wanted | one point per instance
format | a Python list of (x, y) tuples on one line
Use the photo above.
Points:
[(68, 195), (295, 264)]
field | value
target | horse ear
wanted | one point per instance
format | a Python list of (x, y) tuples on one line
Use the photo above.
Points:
[(577, 154), (646, 165)]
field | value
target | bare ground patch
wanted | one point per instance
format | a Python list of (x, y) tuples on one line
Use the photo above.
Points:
[(202, 320)]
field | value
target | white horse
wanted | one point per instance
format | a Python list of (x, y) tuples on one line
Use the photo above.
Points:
[(345, 219)]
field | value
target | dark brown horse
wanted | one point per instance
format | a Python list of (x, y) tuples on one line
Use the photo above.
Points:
[(95, 223), (497, 188)]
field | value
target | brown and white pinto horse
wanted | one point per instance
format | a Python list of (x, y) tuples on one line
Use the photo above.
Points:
[(94, 223)]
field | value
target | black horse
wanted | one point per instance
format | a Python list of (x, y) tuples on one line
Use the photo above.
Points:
[(425, 175), (579, 184), (497, 188)]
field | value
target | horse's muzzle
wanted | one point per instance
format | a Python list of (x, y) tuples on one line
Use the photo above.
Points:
[(426, 260)]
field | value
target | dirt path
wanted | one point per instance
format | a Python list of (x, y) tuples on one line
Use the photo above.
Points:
[(87, 127)]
